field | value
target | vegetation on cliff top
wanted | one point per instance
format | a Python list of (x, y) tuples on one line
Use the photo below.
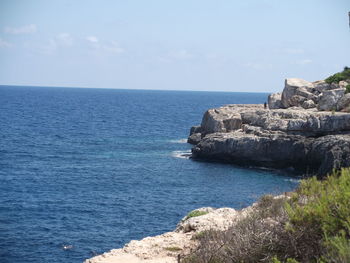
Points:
[(344, 75), (313, 225)]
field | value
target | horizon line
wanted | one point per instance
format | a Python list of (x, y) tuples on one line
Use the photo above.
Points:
[(104, 88)]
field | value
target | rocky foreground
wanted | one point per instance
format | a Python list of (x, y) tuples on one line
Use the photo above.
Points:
[(173, 246), (295, 130), (306, 127)]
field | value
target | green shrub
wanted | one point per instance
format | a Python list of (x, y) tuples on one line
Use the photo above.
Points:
[(320, 211), (195, 213), (347, 89), (345, 74), (312, 226)]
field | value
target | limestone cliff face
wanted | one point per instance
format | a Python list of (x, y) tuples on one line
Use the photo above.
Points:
[(292, 132)]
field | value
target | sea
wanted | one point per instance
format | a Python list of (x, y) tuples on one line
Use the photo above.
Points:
[(83, 171)]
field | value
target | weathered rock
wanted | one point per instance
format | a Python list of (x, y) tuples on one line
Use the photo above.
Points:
[(344, 103), (194, 138), (195, 129), (275, 101), (221, 120), (277, 150), (343, 84), (308, 104), (168, 247), (329, 99), (279, 138), (296, 87), (321, 86)]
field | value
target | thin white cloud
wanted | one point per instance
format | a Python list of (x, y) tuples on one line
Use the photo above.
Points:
[(4, 44), (26, 29), (113, 47), (304, 61), (64, 39), (176, 55), (103, 46), (180, 54), (92, 39)]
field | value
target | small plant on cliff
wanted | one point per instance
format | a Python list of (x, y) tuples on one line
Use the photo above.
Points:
[(173, 249), (347, 89), (195, 213), (345, 74)]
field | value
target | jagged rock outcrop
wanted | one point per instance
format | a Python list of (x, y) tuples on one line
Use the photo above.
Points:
[(329, 99), (296, 91), (343, 103), (274, 101), (300, 129), (310, 140)]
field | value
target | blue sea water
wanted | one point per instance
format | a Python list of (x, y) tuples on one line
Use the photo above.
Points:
[(96, 168)]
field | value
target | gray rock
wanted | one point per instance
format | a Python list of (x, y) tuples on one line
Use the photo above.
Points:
[(276, 138), (274, 101), (344, 103), (320, 155), (329, 99), (194, 138), (195, 129), (343, 83), (321, 86), (222, 119), (296, 87), (308, 104)]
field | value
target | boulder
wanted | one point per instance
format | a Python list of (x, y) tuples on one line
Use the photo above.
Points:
[(195, 129), (308, 104), (296, 87), (221, 120), (343, 83), (329, 99), (344, 103), (194, 138), (275, 101), (321, 86)]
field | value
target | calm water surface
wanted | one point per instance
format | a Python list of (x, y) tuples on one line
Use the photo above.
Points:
[(95, 168)]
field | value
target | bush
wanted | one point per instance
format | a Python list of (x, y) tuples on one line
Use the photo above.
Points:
[(347, 89), (312, 226), (195, 213), (345, 74)]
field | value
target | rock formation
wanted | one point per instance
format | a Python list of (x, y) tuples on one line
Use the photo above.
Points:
[(168, 247), (296, 131)]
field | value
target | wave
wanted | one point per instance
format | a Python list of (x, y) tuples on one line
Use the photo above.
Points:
[(182, 154), (179, 141), (292, 180)]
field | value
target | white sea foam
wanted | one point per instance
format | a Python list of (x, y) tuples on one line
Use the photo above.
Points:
[(181, 154), (292, 180), (179, 141)]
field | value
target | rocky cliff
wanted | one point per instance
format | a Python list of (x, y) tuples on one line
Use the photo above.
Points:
[(173, 246), (295, 130)]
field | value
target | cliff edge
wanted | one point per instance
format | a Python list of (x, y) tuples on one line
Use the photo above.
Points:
[(295, 130)]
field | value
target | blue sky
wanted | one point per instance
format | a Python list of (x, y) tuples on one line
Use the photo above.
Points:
[(222, 45)]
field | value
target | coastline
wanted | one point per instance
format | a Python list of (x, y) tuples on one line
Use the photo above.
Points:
[(288, 133)]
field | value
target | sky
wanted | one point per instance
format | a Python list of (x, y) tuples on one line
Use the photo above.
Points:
[(221, 45)]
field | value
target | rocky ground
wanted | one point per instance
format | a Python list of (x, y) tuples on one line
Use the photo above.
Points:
[(306, 127), (296, 130), (172, 246)]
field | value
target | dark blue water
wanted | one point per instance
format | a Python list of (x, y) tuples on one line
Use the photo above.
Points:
[(95, 168)]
